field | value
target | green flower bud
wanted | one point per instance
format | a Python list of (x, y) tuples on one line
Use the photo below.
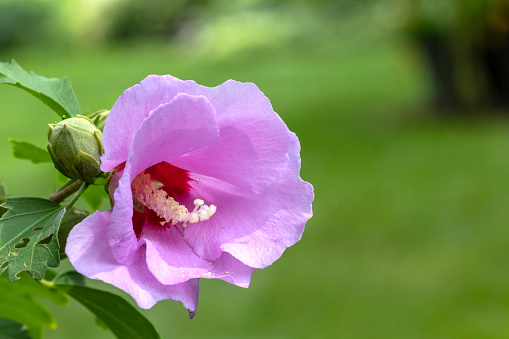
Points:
[(75, 146)]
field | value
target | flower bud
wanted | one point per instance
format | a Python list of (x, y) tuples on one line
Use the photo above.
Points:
[(75, 146)]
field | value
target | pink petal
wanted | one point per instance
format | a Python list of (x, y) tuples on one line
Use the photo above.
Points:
[(129, 111), (252, 150), (171, 260), (89, 252), (120, 233), (254, 228), (186, 123)]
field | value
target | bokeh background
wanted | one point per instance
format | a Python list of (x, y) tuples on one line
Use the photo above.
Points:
[(401, 107)]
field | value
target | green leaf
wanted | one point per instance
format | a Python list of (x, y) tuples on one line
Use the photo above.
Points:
[(50, 274), (29, 286), (101, 324), (17, 303), (69, 278), (121, 318), (12, 330), (56, 93), (28, 151), (28, 240), (30, 312)]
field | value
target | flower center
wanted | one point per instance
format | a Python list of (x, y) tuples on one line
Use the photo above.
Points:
[(148, 193)]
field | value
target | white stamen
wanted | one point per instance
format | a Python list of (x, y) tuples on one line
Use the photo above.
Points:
[(146, 193), (193, 218)]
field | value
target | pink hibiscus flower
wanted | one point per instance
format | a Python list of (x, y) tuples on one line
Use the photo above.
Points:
[(205, 184)]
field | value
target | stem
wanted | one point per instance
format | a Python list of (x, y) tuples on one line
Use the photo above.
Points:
[(65, 191), (82, 189)]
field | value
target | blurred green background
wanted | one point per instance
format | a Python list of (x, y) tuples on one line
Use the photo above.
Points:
[(401, 110)]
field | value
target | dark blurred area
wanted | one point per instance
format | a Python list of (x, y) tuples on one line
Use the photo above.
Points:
[(466, 46), (23, 23), (463, 43), (153, 19)]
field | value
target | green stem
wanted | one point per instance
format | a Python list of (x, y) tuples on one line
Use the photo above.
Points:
[(82, 189), (66, 190)]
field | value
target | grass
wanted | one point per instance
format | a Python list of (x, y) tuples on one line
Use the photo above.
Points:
[(409, 235)]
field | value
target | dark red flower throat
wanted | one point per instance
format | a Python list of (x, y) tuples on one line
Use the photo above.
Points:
[(174, 181)]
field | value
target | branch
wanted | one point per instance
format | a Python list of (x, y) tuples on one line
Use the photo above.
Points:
[(66, 191)]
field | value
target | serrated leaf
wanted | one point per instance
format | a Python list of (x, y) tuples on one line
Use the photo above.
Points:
[(28, 236), (17, 303), (56, 93), (28, 151), (120, 317), (12, 330)]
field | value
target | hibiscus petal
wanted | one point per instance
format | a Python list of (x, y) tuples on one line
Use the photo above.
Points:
[(252, 150), (129, 111), (120, 234), (89, 252), (173, 261), (254, 228), (186, 123)]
